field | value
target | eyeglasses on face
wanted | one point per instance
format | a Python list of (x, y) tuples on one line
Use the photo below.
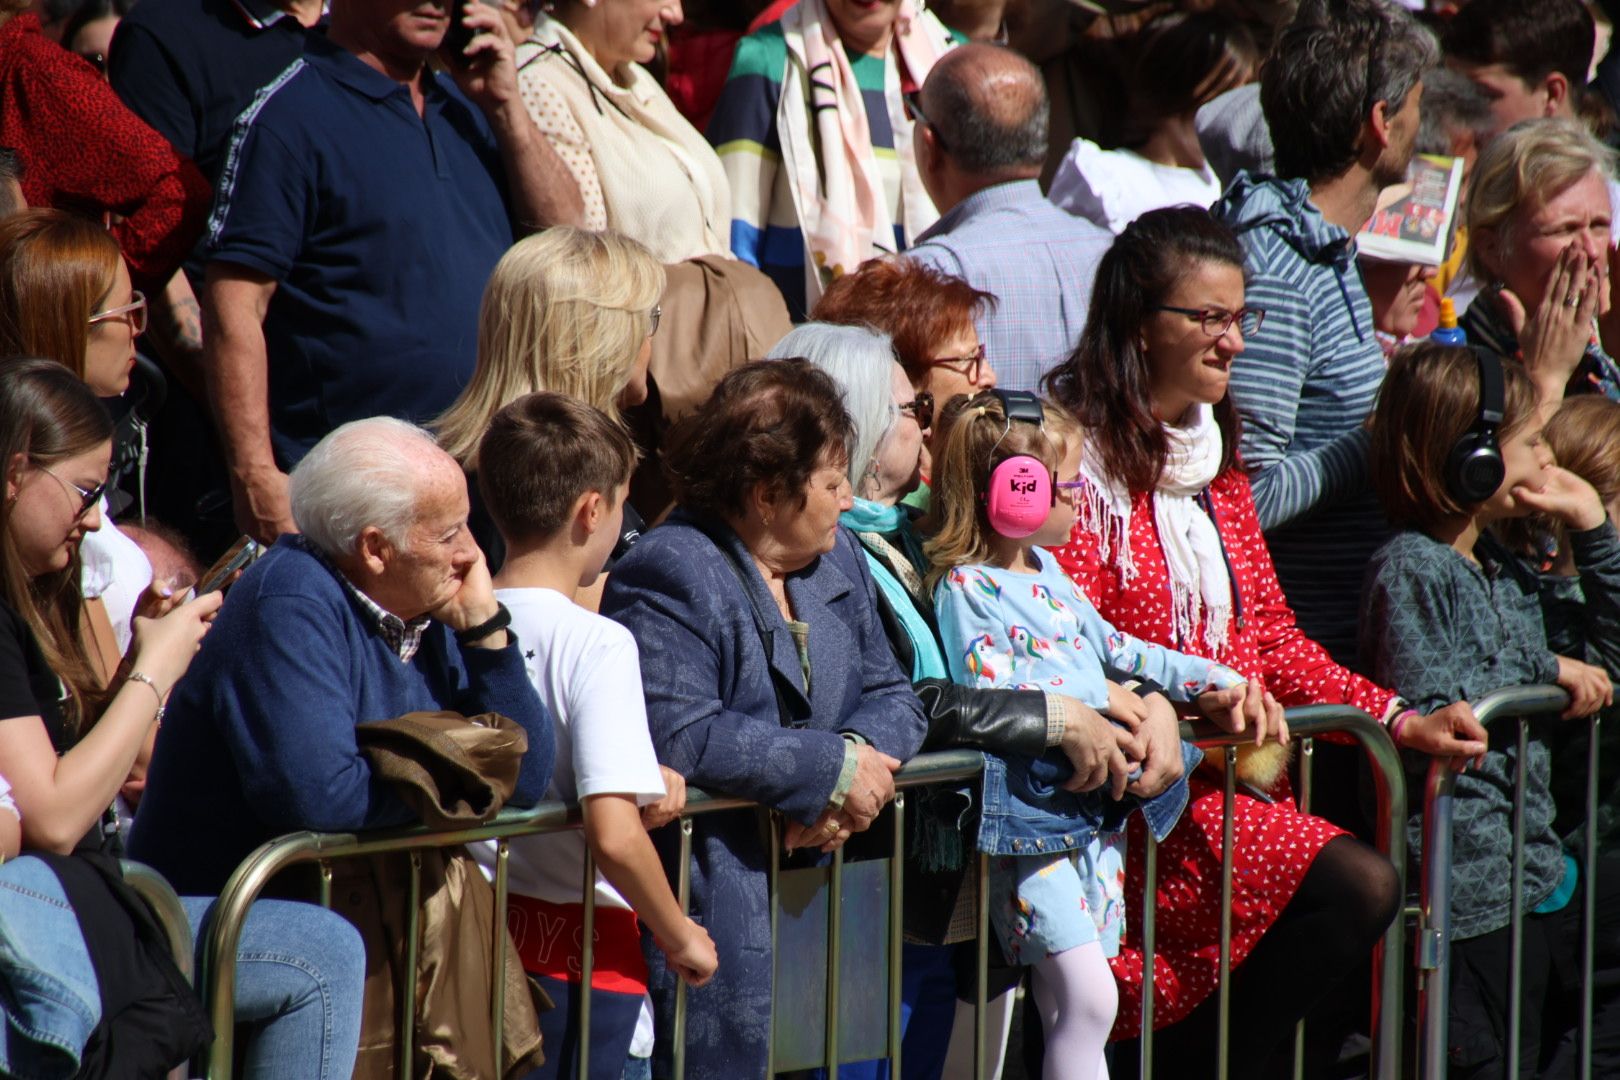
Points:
[(970, 367), (1216, 321), (920, 408), (133, 312), (1069, 489), (88, 497), (912, 99)]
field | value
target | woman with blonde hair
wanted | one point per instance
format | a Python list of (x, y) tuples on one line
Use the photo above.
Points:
[(566, 310), (1538, 221)]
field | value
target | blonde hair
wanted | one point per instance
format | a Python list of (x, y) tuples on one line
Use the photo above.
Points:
[(1525, 166), (977, 438), (566, 311)]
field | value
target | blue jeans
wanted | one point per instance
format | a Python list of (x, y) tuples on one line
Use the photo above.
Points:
[(49, 1000), (300, 977)]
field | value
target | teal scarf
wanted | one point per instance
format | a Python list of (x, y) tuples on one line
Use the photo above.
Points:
[(894, 524)]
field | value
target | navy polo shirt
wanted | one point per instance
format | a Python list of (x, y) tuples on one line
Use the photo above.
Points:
[(189, 67), (380, 228)]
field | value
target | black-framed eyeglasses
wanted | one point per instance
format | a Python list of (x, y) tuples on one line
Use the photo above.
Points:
[(970, 367), (920, 408), (912, 99), (88, 497), (1215, 321), (653, 318)]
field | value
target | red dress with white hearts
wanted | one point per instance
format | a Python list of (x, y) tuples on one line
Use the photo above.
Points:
[(1274, 843)]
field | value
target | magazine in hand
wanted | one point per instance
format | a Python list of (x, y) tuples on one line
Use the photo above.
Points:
[(1413, 220)]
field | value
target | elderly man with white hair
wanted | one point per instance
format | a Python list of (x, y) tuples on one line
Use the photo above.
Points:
[(382, 606)]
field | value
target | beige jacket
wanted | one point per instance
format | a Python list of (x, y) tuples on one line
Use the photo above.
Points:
[(642, 169)]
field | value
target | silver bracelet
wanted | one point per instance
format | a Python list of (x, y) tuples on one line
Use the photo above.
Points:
[(143, 677)]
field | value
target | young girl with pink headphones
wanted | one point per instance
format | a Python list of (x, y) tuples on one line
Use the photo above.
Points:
[(1009, 617)]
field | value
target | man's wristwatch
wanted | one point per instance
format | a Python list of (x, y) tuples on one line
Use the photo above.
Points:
[(474, 634)]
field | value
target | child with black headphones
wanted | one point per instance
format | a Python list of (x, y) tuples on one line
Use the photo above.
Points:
[(1450, 613), (1009, 617)]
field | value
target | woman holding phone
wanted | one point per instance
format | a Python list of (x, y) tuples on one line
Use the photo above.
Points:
[(67, 743)]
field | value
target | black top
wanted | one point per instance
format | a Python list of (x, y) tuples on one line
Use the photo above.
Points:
[(189, 67), (28, 687)]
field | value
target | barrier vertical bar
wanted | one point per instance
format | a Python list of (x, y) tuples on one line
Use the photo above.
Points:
[(1307, 747), (981, 989), (497, 989), (1434, 935), (1589, 900), (772, 878), (897, 930), (1516, 899), (1223, 1040), (1150, 888), (835, 955), (587, 962), (683, 887), (413, 945), (326, 884)]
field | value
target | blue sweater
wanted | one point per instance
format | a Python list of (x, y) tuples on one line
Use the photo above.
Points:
[(1304, 385), (259, 737)]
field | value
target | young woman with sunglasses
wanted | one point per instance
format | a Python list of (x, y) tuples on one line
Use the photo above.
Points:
[(67, 743)]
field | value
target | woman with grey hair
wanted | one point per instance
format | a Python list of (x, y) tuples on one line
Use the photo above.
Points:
[(884, 465), (1539, 217)]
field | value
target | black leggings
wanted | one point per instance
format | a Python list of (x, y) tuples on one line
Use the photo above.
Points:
[(1347, 900)]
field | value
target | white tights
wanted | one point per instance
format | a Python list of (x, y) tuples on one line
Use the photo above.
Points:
[(1077, 999)]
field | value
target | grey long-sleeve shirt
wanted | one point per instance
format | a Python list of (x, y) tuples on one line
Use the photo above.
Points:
[(1438, 628)]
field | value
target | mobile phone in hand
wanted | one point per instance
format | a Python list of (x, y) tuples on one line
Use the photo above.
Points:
[(459, 36), (243, 552)]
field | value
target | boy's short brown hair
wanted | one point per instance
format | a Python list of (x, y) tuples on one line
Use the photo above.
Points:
[(1429, 401), (540, 454)]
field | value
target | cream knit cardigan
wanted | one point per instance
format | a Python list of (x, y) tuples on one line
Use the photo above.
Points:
[(642, 169)]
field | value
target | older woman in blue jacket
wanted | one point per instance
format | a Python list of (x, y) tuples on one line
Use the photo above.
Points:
[(767, 674)]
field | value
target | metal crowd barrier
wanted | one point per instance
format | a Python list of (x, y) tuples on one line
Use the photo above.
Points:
[(1524, 703), (160, 896), (250, 878), (1303, 724)]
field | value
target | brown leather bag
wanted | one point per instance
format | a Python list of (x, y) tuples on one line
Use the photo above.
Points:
[(455, 771)]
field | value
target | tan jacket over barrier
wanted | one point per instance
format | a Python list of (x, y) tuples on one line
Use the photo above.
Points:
[(455, 772)]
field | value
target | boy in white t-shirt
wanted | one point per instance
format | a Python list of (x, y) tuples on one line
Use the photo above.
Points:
[(554, 473)]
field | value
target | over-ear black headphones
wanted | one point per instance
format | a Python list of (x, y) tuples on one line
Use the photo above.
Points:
[(1474, 468)]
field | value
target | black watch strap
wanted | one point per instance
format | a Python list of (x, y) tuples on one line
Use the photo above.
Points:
[(498, 621)]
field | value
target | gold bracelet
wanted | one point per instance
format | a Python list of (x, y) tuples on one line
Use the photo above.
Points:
[(143, 677)]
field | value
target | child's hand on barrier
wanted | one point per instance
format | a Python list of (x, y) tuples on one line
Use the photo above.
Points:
[(1566, 497), (1248, 706), (667, 809), (1589, 687), (695, 960), (1453, 732), (1125, 706)]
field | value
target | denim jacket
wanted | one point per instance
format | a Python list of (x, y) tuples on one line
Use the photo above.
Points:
[(1027, 812), (49, 997)]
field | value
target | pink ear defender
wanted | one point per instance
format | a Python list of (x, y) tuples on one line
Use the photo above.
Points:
[(1022, 489)]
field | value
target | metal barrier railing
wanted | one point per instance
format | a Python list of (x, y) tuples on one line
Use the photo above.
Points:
[(1524, 703), (1304, 723), (250, 878), (160, 896)]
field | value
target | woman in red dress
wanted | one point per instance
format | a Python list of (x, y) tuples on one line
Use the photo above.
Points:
[(1169, 549)]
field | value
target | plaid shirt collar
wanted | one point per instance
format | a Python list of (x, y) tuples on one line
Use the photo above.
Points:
[(403, 638)]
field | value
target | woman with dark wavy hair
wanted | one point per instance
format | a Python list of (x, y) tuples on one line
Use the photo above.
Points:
[(1169, 549)]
